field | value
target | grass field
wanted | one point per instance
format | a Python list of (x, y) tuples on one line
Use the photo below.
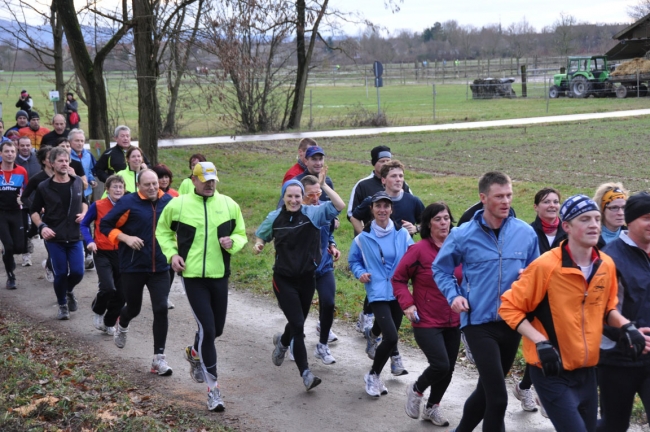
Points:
[(332, 107)]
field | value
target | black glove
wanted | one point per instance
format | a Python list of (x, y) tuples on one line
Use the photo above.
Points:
[(550, 359), (632, 341)]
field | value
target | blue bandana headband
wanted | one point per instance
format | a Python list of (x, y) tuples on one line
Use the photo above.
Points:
[(576, 205), (292, 182)]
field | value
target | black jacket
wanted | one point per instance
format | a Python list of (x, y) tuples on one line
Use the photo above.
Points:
[(543, 240), (112, 161), (57, 218)]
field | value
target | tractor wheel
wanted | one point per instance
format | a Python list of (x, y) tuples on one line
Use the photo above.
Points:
[(643, 90), (554, 92), (621, 92), (580, 87)]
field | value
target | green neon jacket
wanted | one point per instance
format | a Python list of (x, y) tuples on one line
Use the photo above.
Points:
[(191, 226)]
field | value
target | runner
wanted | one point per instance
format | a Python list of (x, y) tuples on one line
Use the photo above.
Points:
[(548, 227), (435, 325), (611, 198), (493, 248), (13, 235), (109, 299), (295, 229), (325, 282), (61, 197), (620, 378), (198, 233), (374, 255), (186, 185), (559, 305), (132, 224)]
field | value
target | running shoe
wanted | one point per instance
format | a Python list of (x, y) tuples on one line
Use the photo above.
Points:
[(372, 342), (11, 281), (323, 353), (27, 260), (371, 380), (64, 313), (468, 353), (279, 351), (413, 402), (98, 322), (526, 396), (72, 302), (381, 386), (159, 365), (542, 411), (49, 274), (110, 331), (310, 380), (119, 337), (360, 323), (331, 337), (196, 371), (396, 366), (170, 305), (434, 415), (215, 401), (89, 264), (291, 357), (369, 320)]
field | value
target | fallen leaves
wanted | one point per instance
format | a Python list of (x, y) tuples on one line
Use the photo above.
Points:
[(26, 410)]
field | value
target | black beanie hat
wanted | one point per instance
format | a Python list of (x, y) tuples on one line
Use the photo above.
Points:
[(34, 115), (376, 153), (637, 206)]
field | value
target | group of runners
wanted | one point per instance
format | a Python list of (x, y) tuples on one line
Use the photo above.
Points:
[(583, 312)]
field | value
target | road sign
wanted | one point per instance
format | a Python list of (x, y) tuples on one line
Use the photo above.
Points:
[(379, 82), (54, 96), (378, 69)]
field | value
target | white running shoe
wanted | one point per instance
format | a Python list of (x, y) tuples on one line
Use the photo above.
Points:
[(371, 381), (396, 366), (413, 402), (291, 357), (323, 353), (170, 305), (215, 401), (434, 415), (360, 323), (279, 350), (368, 321), (98, 322), (372, 342), (526, 397), (119, 337), (159, 365), (110, 331), (27, 260), (331, 337), (310, 380), (49, 274)]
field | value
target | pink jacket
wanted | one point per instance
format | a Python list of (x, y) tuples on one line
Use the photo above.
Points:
[(432, 306)]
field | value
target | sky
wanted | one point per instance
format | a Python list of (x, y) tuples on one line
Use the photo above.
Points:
[(416, 15)]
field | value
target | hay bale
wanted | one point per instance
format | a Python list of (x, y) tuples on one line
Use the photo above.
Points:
[(631, 67)]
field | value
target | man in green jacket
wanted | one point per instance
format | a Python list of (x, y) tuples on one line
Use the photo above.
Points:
[(198, 233)]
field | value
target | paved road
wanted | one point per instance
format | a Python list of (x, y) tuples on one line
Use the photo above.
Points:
[(402, 129)]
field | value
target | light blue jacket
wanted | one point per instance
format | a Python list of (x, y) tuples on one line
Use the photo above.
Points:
[(88, 162), (490, 265), (366, 257)]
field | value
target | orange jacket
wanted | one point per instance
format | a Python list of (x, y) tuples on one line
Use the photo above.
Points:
[(554, 295), (35, 136)]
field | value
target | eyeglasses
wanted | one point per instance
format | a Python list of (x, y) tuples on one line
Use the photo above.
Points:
[(314, 194), (616, 209), (117, 187)]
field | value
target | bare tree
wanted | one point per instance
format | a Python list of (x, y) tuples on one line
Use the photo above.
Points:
[(564, 33), (521, 36), (639, 10), (29, 38), (90, 71)]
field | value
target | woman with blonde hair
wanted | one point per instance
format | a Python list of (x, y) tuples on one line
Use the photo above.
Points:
[(611, 198)]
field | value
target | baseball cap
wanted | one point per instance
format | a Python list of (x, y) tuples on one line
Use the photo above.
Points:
[(311, 151), (205, 171), (381, 195)]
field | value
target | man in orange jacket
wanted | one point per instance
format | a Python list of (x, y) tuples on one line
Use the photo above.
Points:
[(559, 305)]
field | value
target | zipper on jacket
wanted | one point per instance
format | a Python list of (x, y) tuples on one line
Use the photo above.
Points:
[(205, 240), (496, 243), (153, 236), (584, 336)]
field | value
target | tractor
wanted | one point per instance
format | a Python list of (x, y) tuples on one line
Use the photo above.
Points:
[(584, 76)]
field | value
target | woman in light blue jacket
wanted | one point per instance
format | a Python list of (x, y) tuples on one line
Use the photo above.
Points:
[(373, 257)]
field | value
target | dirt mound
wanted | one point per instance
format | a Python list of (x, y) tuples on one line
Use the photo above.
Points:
[(630, 67)]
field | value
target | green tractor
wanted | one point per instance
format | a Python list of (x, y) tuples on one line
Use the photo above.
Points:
[(584, 76)]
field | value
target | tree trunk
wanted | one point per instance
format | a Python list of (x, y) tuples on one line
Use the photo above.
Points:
[(146, 64), (57, 41), (89, 72)]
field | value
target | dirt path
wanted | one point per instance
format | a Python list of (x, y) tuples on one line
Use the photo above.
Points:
[(258, 395)]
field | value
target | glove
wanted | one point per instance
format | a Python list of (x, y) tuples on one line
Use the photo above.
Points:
[(550, 359), (632, 341)]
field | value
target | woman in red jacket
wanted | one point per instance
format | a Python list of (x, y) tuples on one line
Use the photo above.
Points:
[(435, 325)]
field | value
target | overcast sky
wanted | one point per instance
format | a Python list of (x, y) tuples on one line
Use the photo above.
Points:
[(416, 15)]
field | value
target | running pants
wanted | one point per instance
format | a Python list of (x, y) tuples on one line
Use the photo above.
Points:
[(326, 287), (494, 347), (68, 266), (133, 288), (388, 319), (618, 385), (13, 237), (110, 298), (209, 301), (440, 346), (570, 400), (294, 297)]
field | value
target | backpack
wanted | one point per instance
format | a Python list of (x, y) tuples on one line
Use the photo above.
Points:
[(74, 118)]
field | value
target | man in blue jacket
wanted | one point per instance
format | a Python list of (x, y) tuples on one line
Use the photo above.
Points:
[(494, 247), (621, 377), (132, 223)]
